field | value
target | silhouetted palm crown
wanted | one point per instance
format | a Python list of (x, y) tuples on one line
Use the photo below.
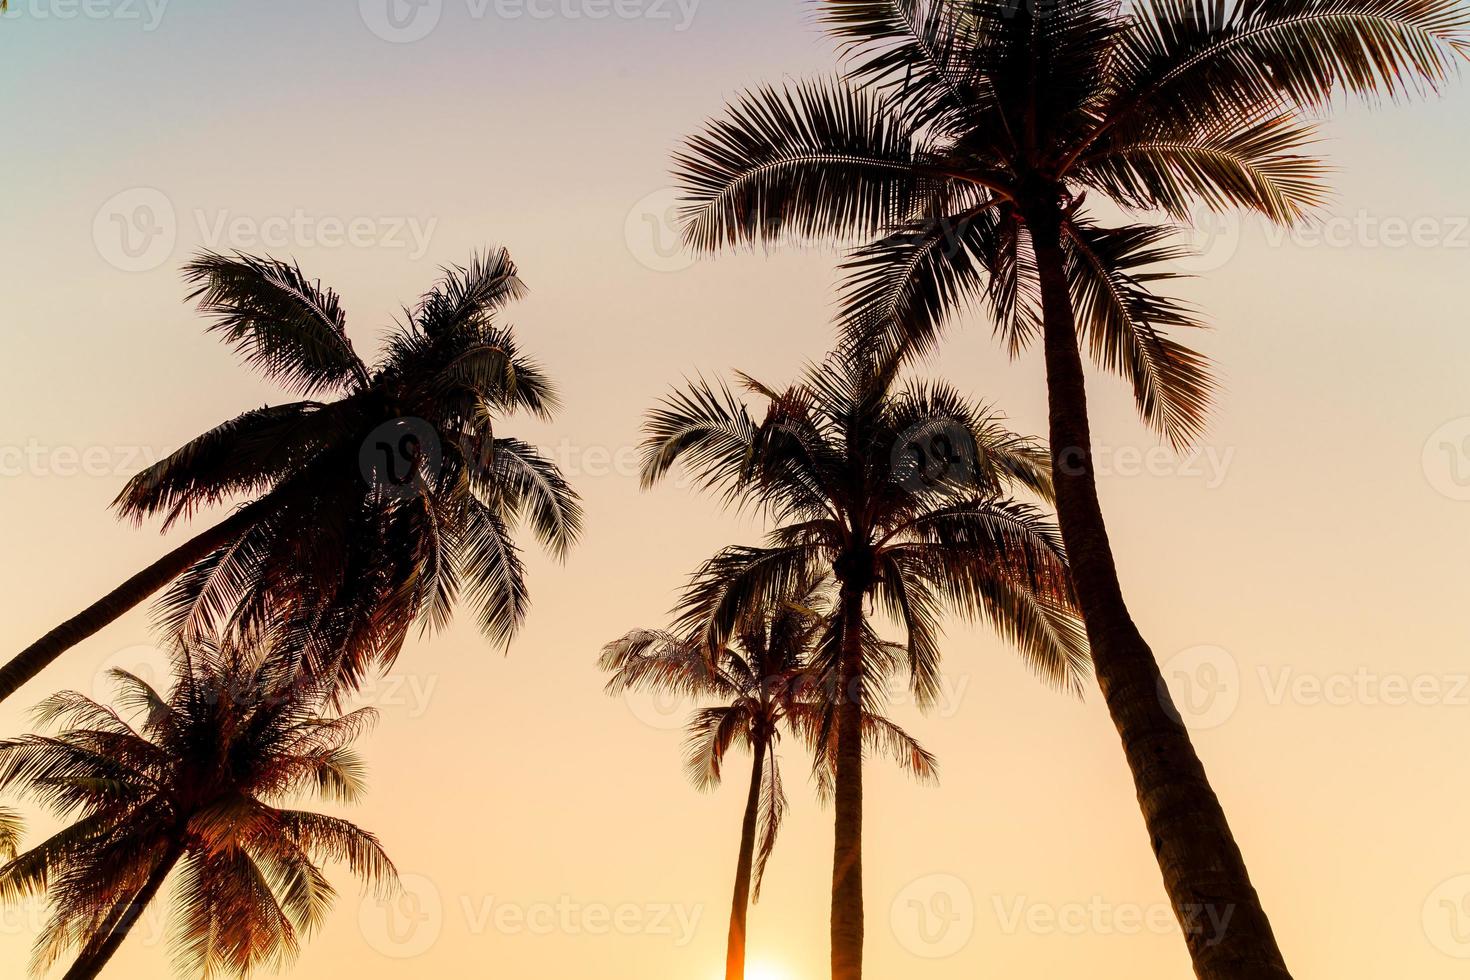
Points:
[(199, 781), (842, 463), (776, 673), (961, 122), (387, 503)]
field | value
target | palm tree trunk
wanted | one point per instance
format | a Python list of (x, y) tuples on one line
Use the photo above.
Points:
[(93, 959), (740, 905), (1225, 926), (41, 654), (847, 852)]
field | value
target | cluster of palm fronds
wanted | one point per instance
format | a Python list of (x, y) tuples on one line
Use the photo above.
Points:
[(955, 153), (881, 493), (375, 503)]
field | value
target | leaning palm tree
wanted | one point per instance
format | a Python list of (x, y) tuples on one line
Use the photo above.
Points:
[(958, 151), (363, 512), (193, 780), (899, 494), (771, 678)]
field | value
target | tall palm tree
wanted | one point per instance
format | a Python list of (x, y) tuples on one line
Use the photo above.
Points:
[(362, 512), (842, 463), (195, 781), (771, 677), (960, 147)]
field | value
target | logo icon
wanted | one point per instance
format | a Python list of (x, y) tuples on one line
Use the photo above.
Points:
[(1211, 239), (1447, 917), (941, 454), (652, 234), (1200, 687), (934, 916), (148, 663), (400, 455), (405, 925), (135, 230), (1446, 459), (401, 21)]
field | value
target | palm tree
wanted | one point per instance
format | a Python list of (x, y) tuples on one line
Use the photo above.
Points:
[(771, 677), (844, 463), (194, 782), (960, 148), (364, 512)]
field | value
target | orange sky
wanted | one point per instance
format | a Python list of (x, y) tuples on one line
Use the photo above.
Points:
[(1301, 577)]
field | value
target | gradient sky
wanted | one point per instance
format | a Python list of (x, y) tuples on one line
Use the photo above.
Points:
[(1302, 576)]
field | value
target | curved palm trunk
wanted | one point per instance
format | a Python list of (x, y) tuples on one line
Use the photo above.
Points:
[(1228, 934), (40, 655), (847, 851), (740, 905), (93, 958)]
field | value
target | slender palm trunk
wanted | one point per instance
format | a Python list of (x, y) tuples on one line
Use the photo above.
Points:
[(847, 852), (740, 905), (41, 654), (94, 958), (1225, 927)]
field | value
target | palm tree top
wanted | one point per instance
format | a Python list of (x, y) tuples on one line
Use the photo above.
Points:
[(202, 773), (900, 490), (960, 127), (389, 493)]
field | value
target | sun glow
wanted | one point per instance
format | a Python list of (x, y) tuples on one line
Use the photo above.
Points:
[(765, 971)]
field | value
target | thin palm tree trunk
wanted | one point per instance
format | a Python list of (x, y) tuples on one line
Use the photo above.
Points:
[(740, 905), (847, 852), (92, 960), (42, 653), (1225, 926)]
